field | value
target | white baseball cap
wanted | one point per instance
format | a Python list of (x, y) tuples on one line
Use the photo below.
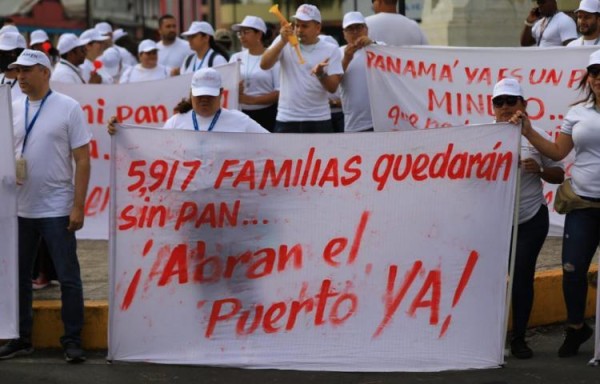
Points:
[(30, 57), (352, 18), (12, 40), (594, 58), (589, 6), (308, 12), (92, 35), (38, 36), (103, 28), (509, 87), (206, 82), (8, 28), (68, 42), (117, 34), (111, 58), (199, 27), (147, 46), (253, 22)]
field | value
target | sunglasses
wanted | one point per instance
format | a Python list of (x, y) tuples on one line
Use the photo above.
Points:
[(594, 71), (499, 101)]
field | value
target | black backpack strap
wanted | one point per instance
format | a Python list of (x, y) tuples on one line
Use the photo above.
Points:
[(211, 58), (188, 60)]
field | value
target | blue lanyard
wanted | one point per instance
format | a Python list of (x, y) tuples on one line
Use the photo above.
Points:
[(29, 126), (212, 123), (202, 62)]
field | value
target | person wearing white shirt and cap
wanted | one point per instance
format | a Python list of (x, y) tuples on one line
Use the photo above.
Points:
[(172, 50), (112, 64), (105, 29), (259, 89), (40, 41), (148, 69), (207, 53), (72, 53), (94, 48), (123, 44), (11, 46), (588, 23)]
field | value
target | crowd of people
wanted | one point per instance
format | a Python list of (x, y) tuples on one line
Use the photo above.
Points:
[(289, 85)]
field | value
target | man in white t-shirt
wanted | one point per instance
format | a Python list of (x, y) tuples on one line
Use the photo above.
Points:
[(172, 50), (355, 96), (304, 88), (50, 136), (392, 28), (545, 26), (11, 46), (588, 23), (72, 55)]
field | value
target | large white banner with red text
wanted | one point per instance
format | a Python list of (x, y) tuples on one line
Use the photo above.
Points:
[(146, 103), (9, 308), (428, 87), (356, 252)]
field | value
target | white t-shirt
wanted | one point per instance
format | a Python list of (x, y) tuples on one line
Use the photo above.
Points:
[(532, 194), (59, 128), (15, 89), (228, 121), (395, 29), (554, 30), (302, 97), (173, 55), (256, 80), (65, 72), (580, 42), (582, 122), (127, 58), (86, 71), (197, 63), (138, 73), (355, 94)]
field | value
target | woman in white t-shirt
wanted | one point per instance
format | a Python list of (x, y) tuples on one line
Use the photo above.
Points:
[(148, 69), (259, 89), (207, 53), (580, 132)]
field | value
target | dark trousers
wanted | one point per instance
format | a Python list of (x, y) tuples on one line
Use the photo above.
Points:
[(530, 239), (265, 117), (304, 127)]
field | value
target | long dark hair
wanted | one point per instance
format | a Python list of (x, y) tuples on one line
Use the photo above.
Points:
[(584, 87), (218, 48)]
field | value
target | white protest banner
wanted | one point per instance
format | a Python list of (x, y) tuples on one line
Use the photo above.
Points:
[(429, 87), (362, 252), (9, 304), (148, 103)]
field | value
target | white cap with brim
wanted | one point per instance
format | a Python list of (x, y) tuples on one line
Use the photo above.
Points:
[(508, 87), (12, 40), (308, 12), (8, 28), (92, 35), (68, 42), (352, 18), (199, 27), (206, 82), (38, 36), (594, 59), (117, 34), (103, 28), (30, 57), (253, 22), (147, 46), (589, 6)]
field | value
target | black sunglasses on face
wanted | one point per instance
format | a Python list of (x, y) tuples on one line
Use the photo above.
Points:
[(499, 101), (594, 71)]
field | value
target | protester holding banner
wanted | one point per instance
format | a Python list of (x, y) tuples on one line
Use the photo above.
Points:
[(11, 46), (545, 26), (354, 90), (207, 53), (580, 132), (172, 50), (72, 55), (534, 222), (259, 89), (588, 23), (392, 28), (51, 196), (148, 69), (305, 86)]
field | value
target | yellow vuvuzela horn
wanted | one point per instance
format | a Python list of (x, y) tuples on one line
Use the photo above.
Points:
[(293, 39)]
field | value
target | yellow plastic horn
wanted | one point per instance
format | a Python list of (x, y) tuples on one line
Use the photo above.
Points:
[(293, 39)]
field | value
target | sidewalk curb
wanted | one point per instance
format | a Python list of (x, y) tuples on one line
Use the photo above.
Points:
[(548, 308)]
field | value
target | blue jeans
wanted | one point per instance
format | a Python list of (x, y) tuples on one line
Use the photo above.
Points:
[(62, 248), (303, 126), (580, 241), (530, 239)]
